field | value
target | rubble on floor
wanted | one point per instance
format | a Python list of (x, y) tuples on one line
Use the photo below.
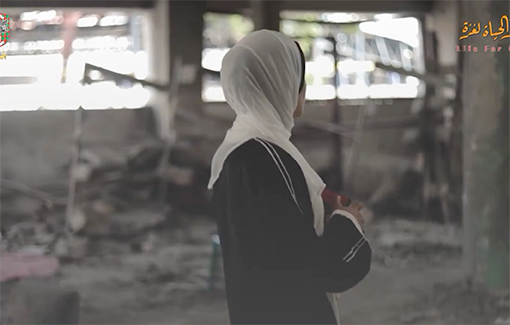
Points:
[(39, 301), (402, 243), (458, 303), (124, 199)]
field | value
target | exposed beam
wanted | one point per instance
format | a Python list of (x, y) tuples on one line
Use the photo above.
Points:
[(238, 6), (389, 6), (228, 7), (121, 77), (143, 4), (266, 14)]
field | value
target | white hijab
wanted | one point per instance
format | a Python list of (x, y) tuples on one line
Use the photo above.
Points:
[(260, 77)]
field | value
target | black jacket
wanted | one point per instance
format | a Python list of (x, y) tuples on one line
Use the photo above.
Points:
[(277, 270)]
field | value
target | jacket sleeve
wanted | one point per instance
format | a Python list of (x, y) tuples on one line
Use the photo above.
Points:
[(267, 229), (347, 255)]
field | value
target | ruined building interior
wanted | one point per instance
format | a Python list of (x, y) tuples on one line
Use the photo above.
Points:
[(110, 113)]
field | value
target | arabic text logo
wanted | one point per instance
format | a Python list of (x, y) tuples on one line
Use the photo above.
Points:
[(502, 32), (4, 29)]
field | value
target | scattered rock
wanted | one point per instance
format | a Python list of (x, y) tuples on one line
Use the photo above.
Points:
[(72, 248), (124, 224), (26, 234), (112, 199)]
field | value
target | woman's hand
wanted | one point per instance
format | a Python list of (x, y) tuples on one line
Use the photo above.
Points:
[(353, 208)]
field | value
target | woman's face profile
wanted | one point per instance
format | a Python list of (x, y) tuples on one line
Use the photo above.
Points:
[(301, 102)]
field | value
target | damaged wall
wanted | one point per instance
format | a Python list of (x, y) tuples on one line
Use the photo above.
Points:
[(444, 21), (36, 145)]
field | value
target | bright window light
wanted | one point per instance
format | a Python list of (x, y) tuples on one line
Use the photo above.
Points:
[(87, 21)]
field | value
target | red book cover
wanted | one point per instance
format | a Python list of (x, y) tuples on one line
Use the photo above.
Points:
[(330, 197)]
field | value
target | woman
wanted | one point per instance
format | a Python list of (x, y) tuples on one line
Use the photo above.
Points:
[(280, 259)]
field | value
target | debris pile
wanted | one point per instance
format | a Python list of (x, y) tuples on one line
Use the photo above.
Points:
[(149, 172), (122, 200), (458, 303), (403, 243)]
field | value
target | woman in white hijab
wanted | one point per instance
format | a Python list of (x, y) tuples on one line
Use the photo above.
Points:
[(280, 259)]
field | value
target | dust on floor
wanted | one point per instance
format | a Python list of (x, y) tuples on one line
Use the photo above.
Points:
[(415, 279)]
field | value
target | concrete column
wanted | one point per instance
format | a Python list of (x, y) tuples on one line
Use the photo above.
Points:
[(486, 148), (443, 20), (186, 36), (158, 51), (157, 42), (266, 14)]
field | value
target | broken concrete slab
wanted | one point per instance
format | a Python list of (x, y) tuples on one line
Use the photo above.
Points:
[(71, 248), (25, 234)]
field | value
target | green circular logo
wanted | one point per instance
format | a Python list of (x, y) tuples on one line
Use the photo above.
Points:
[(4, 29)]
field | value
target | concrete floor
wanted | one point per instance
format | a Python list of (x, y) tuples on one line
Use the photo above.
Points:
[(380, 299), (168, 284)]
